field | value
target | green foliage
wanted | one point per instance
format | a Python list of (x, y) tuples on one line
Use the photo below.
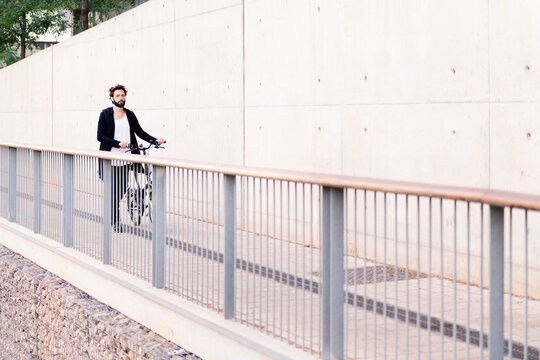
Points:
[(23, 21), (103, 8), (99, 11), (7, 38), (8, 56), (99, 6)]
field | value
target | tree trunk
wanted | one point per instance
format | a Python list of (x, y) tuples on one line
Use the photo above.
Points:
[(85, 9), (23, 37), (23, 47), (76, 21)]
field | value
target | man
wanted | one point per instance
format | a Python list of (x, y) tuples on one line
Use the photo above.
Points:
[(117, 128)]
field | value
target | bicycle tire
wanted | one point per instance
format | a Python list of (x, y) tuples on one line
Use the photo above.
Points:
[(150, 203), (133, 206)]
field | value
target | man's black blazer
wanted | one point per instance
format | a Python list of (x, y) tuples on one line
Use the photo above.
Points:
[(105, 131)]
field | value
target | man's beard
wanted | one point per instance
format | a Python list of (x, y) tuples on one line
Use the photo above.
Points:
[(120, 104)]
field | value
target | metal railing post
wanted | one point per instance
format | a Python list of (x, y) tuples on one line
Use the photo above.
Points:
[(325, 274), (229, 255), (67, 205), (496, 283), (158, 227), (333, 274), (12, 185), (37, 191), (107, 211)]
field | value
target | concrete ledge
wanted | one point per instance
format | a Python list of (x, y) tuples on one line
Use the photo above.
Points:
[(202, 331)]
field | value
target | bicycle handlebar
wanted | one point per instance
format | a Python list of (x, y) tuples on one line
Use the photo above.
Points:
[(153, 144)]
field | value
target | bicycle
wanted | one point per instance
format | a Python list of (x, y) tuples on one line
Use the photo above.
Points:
[(139, 198)]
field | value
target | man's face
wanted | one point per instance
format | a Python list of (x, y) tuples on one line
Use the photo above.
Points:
[(119, 97)]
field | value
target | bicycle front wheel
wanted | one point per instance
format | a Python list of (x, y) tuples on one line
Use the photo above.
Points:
[(134, 206), (150, 204)]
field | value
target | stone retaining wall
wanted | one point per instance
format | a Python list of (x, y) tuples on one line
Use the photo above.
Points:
[(44, 317)]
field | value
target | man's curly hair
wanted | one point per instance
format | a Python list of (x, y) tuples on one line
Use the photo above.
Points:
[(117, 87)]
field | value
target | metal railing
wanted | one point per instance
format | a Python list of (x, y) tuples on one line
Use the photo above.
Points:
[(338, 266)]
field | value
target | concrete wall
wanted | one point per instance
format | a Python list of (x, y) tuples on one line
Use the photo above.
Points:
[(422, 90), (429, 91)]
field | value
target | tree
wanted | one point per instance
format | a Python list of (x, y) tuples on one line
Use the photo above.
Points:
[(8, 54), (23, 21), (87, 13)]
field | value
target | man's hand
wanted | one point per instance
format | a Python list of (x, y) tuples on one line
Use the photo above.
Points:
[(160, 141), (124, 145)]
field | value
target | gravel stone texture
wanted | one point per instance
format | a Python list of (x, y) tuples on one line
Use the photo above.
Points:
[(44, 317)]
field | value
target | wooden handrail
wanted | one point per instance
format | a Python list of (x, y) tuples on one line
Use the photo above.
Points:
[(487, 196)]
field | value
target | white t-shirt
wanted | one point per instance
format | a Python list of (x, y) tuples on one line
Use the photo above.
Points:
[(121, 133)]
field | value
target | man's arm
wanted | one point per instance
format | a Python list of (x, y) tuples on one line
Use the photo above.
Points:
[(139, 131)]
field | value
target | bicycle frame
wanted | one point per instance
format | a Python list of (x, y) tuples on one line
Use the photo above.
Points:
[(140, 196)]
